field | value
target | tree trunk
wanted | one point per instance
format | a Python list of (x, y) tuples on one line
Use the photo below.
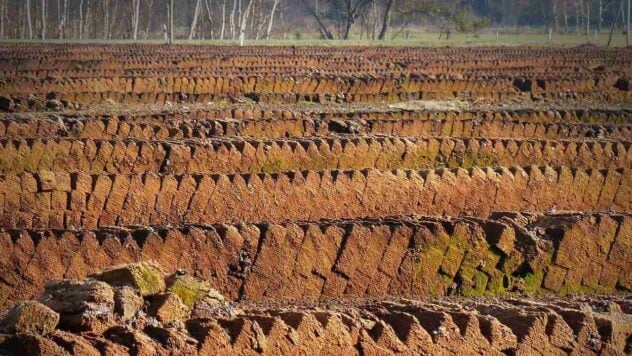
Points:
[(3, 6), (374, 20), (614, 23), (261, 25), (588, 18), (112, 21), (195, 19), (210, 18), (150, 15), (64, 19), (106, 19), (171, 21), (43, 19), (347, 32), (239, 18), (232, 20), (274, 6), (321, 25), (556, 18), (136, 17), (244, 21), (386, 20), (577, 18), (223, 20), (565, 17), (28, 19), (627, 38), (86, 29), (252, 18), (81, 19), (600, 20)]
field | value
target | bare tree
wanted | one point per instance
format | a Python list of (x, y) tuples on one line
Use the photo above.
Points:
[(43, 19), (602, 8), (555, 18), (353, 9), (28, 18), (386, 22), (3, 9), (113, 19), (232, 19), (238, 20), (565, 15), (170, 8), (600, 19), (319, 20), (374, 20), (81, 19), (588, 6), (274, 7), (150, 14), (86, 28), (614, 23), (106, 18), (135, 17), (210, 18), (627, 38), (223, 20), (244, 21), (344, 17), (62, 13), (195, 19)]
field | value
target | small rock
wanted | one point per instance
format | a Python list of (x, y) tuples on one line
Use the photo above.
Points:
[(137, 342), (72, 296), (127, 302), (74, 344), (168, 307), (147, 277), (173, 339), (86, 305), (30, 317), (30, 344), (192, 290)]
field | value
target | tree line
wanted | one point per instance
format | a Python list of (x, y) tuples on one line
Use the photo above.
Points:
[(283, 19)]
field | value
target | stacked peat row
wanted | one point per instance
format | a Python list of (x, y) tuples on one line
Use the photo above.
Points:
[(78, 200), (308, 88), (484, 61), (388, 75), (395, 257), (264, 89), (607, 124), (226, 156), (299, 66), (135, 309)]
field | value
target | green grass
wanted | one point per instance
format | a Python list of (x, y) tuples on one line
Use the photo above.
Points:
[(424, 39)]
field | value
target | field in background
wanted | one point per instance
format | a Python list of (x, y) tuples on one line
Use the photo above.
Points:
[(415, 39)]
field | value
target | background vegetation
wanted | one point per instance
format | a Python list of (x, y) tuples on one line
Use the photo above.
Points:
[(312, 21)]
